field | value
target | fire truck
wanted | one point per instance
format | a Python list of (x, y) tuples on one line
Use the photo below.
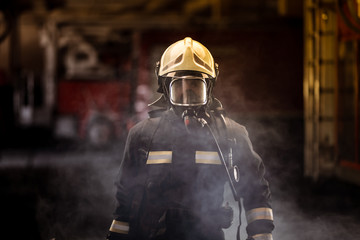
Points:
[(87, 86)]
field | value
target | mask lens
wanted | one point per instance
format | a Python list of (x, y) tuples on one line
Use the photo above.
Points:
[(188, 91)]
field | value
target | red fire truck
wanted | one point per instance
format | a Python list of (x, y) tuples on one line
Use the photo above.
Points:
[(87, 83)]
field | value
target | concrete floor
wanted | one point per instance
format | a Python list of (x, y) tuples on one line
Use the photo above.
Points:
[(61, 194)]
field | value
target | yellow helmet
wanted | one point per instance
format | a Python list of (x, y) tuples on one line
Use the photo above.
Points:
[(187, 55)]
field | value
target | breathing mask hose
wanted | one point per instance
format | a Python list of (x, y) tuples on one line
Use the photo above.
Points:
[(231, 183), (189, 117)]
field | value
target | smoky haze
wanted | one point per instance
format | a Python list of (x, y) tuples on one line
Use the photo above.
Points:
[(262, 92), (72, 194), (302, 209), (73, 191), (75, 196)]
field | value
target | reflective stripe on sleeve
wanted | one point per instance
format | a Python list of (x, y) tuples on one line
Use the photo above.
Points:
[(259, 214), (207, 158), (119, 227), (159, 157), (263, 236)]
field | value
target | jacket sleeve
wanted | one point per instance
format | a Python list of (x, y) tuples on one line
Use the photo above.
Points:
[(253, 188), (128, 185)]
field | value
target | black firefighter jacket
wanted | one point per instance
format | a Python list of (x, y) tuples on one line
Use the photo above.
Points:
[(171, 182)]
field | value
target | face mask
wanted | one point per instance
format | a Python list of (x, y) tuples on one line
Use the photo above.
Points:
[(188, 91)]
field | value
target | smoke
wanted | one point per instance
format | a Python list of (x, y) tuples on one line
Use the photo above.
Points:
[(293, 222), (302, 209), (78, 199), (75, 193)]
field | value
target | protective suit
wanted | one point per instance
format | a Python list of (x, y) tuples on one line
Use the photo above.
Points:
[(176, 162)]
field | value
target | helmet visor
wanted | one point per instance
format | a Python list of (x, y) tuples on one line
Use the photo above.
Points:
[(188, 91)]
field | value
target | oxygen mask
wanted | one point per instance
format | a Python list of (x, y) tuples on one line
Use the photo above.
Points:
[(188, 91)]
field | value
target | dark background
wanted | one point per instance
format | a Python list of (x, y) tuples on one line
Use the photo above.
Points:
[(63, 188)]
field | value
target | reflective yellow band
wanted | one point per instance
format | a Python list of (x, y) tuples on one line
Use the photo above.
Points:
[(263, 236), (259, 214), (207, 157), (119, 227), (159, 157)]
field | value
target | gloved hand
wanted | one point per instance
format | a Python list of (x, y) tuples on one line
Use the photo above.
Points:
[(226, 216)]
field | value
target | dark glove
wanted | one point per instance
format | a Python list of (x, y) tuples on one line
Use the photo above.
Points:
[(226, 216)]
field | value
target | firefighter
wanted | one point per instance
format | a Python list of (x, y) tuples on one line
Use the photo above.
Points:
[(176, 162)]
